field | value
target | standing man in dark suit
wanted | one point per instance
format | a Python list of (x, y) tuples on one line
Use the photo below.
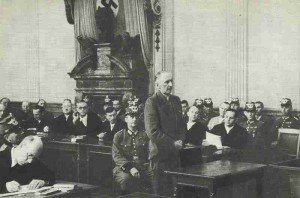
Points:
[(85, 121), (63, 124), (165, 128), (232, 134), (111, 125)]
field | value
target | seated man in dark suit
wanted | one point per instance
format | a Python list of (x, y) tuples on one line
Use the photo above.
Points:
[(25, 113), (63, 124), (130, 152), (85, 121), (47, 115), (232, 135), (20, 166), (111, 125), (116, 104), (37, 122)]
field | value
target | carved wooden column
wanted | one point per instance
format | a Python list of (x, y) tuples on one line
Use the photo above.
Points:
[(237, 49)]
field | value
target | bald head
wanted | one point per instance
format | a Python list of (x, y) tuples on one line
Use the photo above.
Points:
[(25, 106), (223, 108), (31, 147), (164, 82)]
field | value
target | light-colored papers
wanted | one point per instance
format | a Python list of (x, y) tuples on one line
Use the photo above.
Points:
[(24, 190), (213, 139)]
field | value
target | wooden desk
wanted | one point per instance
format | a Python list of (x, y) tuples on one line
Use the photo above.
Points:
[(218, 174), (141, 195), (88, 162)]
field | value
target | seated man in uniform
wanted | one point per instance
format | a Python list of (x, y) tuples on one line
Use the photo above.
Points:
[(232, 134), (130, 152), (257, 137), (218, 119), (111, 125), (20, 166), (86, 122), (287, 119), (37, 121), (63, 124)]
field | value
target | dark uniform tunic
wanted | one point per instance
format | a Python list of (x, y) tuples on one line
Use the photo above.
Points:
[(286, 122), (255, 151), (128, 151)]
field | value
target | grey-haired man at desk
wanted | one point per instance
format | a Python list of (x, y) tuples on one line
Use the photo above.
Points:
[(20, 166)]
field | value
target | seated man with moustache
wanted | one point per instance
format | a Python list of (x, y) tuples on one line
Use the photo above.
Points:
[(86, 122), (130, 152), (111, 125), (20, 166), (37, 122), (232, 134), (63, 124)]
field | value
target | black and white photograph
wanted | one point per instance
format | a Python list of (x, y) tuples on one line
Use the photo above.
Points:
[(150, 98)]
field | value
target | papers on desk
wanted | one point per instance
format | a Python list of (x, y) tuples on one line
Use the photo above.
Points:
[(213, 139), (25, 190), (46, 190)]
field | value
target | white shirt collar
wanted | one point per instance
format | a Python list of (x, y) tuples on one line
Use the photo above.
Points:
[(112, 126), (13, 161), (66, 116), (227, 128), (84, 120), (190, 124)]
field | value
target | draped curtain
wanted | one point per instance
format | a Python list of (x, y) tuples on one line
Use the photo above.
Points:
[(84, 22), (137, 23)]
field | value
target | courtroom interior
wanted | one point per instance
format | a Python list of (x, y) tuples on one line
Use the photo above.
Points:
[(150, 98)]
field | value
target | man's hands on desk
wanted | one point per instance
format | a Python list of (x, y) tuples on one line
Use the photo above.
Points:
[(14, 186)]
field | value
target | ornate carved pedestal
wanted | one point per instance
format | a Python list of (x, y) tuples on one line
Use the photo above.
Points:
[(111, 77)]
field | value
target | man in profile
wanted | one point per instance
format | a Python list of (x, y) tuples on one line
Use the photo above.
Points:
[(86, 122), (63, 124), (165, 128), (20, 166)]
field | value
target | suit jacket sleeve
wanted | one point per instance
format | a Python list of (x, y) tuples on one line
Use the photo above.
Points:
[(152, 125)]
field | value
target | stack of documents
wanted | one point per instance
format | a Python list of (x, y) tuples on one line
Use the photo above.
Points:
[(213, 139)]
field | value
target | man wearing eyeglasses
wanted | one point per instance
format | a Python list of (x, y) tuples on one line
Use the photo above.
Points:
[(20, 166), (86, 122)]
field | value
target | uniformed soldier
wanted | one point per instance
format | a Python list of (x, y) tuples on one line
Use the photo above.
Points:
[(130, 152), (235, 104), (268, 120), (287, 120), (257, 137), (208, 111)]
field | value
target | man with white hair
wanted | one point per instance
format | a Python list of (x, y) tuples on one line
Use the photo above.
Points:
[(20, 166), (165, 128)]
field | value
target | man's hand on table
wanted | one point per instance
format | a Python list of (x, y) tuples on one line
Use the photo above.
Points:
[(178, 144), (35, 184), (12, 186)]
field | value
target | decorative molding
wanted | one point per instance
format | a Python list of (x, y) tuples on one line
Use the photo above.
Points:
[(237, 49)]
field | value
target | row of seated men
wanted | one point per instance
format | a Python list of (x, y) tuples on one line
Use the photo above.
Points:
[(130, 145)]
